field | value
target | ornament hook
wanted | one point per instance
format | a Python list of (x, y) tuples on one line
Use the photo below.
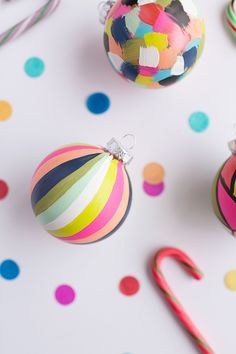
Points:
[(131, 138)]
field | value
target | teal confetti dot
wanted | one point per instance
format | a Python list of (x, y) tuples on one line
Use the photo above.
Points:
[(199, 121), (34, 67), (98, 103), (9, 269)]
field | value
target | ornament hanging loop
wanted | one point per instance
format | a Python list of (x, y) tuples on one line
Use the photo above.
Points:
[(128, 138), (104, 8)]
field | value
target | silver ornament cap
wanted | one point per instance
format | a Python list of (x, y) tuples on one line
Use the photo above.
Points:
[(120, 150), (232, 146)]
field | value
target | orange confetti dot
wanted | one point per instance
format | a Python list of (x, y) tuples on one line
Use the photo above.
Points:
[(5, 110), (153, 173)]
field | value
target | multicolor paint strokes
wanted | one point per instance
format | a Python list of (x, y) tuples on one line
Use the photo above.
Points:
[(231, 16), (80, 193), (224, 194), (154, 43)]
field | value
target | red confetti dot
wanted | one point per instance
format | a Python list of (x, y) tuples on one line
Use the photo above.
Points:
[(3, 189), (129, 286)]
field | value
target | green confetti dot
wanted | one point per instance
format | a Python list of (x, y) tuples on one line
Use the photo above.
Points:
[(199, 121), (34, 67)]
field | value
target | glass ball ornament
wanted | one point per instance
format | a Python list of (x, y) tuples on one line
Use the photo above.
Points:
[(224, 192), (153, 43), (82, 193)]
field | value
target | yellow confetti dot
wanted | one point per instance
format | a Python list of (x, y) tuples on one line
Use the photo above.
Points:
[(153, 173), (230, 280), (5, 110)]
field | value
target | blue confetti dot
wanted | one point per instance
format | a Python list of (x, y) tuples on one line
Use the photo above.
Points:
[(9, 269), (199, 121), (98, 103), (34, 67)]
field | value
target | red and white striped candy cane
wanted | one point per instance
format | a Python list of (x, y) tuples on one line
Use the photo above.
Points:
[(169, 296), (23, 26)]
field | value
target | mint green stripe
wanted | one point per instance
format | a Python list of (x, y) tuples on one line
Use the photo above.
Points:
[(65, 201)]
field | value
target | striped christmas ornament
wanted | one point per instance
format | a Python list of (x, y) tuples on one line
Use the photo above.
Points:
[(224, 192), (231, 16), (82, 193)]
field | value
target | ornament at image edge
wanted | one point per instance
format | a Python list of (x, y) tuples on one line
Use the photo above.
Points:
[(82, 193), (224, 192), (152, 43)]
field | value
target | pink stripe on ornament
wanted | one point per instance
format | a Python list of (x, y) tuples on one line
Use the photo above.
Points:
[(66, 149)]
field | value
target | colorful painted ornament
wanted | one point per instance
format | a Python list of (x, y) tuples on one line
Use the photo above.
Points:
[(153, 43), (82, 193), (231, 16), (224, 192)]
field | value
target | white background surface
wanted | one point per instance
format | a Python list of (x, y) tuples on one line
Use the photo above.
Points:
[(50, 112)]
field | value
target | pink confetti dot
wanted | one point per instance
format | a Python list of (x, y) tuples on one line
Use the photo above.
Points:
[(153, 190), (3, 189), (65, 295), (129, 286)]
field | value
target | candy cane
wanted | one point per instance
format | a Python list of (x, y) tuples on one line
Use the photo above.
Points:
[(193, 270), (29, 22), (231, 16)]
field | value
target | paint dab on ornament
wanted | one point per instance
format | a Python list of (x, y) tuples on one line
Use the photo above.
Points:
[(153, 190), (5, 110), (153, 173), (199, 121), (3, 189), (98, 103), (34, 67), (129, 286), (230, 280), (65, 295), (9, 269)]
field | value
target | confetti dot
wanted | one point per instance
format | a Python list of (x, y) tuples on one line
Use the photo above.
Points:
[(98, 103), (153, 190), (5, 110), (230, 280), (3, 189), (199, 121), (65, 295), (153, 173), (34, 67), (9, 269), (129, 286)]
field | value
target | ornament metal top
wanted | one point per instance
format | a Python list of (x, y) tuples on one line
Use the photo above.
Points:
[(152, 43)]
